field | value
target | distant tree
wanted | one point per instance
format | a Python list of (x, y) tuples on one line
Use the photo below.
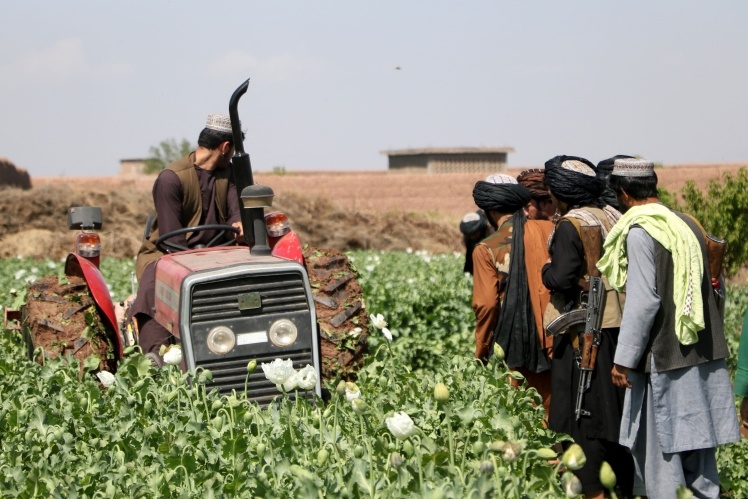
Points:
[(167, 152), (723, 211)]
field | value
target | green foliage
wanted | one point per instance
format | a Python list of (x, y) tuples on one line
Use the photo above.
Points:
[(666, 197), (425, 298), (732, 459), (732, 463), (17, 273), (167, 152), (723, 211), (159, 433)]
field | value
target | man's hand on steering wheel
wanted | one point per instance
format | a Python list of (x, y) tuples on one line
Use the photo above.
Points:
[(166, 246), (239, 236)]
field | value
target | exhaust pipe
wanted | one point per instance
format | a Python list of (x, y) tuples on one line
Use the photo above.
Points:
[(253, 198)]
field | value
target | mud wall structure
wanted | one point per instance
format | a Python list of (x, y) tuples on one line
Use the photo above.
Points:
[(12, 176)]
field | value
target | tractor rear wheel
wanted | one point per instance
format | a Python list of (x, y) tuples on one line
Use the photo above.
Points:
[(341, 314), (60, 316)]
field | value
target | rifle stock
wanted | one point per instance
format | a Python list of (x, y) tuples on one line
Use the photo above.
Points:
[(715, 249), (592, 242)]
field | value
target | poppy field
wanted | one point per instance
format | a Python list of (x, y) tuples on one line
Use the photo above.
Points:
[(423, 418)]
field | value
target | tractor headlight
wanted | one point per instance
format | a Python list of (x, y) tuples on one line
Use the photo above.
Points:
[(221, 340), (282, 333)]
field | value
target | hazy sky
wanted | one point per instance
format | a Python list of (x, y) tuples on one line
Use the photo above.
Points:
[(85, 84)]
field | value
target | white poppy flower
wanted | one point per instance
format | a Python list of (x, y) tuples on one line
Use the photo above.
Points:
[(387, 334), (173, 355), (278, 371), (400, 425), (512, 450), (106, 378), (307, 378), (351, 391), (378, 321), (291, 383)]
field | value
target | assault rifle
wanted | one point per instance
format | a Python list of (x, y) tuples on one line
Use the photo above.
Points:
[(591, 315), (589, 341)]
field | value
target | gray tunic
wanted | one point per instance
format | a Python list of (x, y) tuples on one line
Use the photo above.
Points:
[(692, 406)]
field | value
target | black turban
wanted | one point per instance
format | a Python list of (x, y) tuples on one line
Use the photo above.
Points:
[(504, 198), (604, 169), (476, 224), (573, 187)]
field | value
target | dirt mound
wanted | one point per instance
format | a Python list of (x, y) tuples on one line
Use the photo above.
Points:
[(35, 222), (12, 176)]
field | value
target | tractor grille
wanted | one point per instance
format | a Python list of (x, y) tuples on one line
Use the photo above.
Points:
[(231, 374), (250, 303), (218, 300)]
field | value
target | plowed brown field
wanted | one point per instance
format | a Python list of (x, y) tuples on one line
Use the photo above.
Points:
[(343, 210)]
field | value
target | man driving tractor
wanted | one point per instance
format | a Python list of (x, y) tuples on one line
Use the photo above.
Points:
[(196, 190)]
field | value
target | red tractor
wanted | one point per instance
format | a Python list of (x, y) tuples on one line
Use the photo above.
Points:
[(227, 305)]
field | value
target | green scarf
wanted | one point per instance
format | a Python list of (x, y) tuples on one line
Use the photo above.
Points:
[(676, 236)]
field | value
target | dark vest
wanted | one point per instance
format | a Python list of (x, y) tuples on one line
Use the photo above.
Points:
[(663, 345), (192, 206), (614, 300)]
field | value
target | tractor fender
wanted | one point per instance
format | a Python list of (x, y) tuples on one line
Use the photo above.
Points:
[(288, 247), (76, 265)]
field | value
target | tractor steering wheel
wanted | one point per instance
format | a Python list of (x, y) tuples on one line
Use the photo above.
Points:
[(167, 246)]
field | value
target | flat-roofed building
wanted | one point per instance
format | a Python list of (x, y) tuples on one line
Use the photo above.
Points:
[(129, 167), (449, 160)]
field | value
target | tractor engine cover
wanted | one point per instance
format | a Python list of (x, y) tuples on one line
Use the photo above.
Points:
[(228, 307)]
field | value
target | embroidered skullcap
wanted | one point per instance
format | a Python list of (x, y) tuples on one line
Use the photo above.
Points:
[(219, 123), (633, 168), (534, 180), (606, 166), (473, 222), (506, 197), (500, 178), (573, 180)]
